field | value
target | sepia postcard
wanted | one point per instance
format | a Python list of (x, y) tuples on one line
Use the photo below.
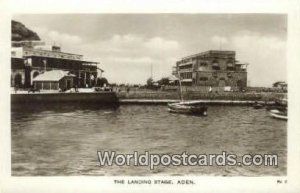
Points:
[(112, 96)]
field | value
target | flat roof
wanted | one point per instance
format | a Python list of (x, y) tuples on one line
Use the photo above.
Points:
[(85, 61), (209, 52), (53, 51)]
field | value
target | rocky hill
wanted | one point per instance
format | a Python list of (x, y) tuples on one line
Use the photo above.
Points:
[(19, 32)]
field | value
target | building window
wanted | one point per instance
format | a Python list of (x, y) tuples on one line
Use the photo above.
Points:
[(230, 66), (203, 78), (203, 64), (215, 65), (229, 75), (35, 74)]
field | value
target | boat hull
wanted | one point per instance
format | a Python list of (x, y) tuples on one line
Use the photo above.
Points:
[(277, 114), (188, 109)]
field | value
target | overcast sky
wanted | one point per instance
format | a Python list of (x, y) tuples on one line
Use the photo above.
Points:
[(127, 44)]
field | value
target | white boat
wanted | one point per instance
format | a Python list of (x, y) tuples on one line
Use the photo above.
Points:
[(181, 107), (279, 114)]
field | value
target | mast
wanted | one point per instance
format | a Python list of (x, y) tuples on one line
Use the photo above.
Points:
[(179, 78)]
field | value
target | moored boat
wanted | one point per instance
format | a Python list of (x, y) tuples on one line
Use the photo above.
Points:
[(188, 109), (278, 114)]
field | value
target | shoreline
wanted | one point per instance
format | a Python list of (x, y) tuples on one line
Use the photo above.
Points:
[(148, 97), (212, 102), (214, 98)]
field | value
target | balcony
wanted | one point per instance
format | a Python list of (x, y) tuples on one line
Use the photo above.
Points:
[(186, 70)]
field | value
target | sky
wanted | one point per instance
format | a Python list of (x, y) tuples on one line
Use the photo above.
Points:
[(126, 45)]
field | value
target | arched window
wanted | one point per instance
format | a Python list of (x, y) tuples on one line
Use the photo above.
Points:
[(230, 65), (35, 74), (215, 65)]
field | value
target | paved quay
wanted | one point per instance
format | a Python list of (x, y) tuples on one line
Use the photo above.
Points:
[(220, 102)]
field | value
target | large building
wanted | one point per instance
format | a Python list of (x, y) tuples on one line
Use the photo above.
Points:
[(32, 58), (215, 68)]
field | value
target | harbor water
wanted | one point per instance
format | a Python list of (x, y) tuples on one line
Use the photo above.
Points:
[(63, 140)]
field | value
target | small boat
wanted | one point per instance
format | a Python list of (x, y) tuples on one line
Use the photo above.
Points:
[(278, 114), (186, 108)]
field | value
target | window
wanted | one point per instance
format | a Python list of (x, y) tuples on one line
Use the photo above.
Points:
[(230, 66), (203, 78), (203, 64), (215, 65), (229, 75)]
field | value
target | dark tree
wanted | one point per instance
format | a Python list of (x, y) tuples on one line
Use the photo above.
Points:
[(101, 82), (164, 81), (150, 82)]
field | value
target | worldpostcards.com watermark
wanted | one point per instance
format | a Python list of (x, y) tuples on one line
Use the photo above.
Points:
[(109, 158)]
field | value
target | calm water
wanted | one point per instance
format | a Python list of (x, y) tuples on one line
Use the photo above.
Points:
[(64, 140)]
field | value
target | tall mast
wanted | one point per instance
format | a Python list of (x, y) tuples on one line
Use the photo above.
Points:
[(179, 78)]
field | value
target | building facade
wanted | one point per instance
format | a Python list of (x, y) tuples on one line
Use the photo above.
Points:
[(34, 58), (215, 68), (54, 80)]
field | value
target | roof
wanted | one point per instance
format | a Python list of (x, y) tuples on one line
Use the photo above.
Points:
[(100, 69), (210, 52), (172, 78), (83, 61), (53, 75)]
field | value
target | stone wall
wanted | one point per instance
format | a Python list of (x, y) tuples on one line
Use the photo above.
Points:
[(221, 78)]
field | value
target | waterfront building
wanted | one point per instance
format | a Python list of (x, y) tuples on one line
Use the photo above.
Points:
[(215, 68), (32, 58), (54, 80), (280, 85)]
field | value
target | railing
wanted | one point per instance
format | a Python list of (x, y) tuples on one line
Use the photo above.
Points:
[(53, 54)]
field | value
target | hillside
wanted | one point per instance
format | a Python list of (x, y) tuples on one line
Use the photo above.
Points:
[(19, 32)]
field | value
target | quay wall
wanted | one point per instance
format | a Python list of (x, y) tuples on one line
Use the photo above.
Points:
[(173, 95), (40, 98)]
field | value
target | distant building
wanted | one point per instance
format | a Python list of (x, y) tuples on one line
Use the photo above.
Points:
[(32, 58), (280, 85), (216, 68)]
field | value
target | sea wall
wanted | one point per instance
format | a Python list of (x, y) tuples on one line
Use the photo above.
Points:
[(38, 98), (174, 95)]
